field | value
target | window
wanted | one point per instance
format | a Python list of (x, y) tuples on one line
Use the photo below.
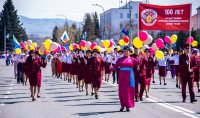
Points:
[(128, 15), (121, 15)]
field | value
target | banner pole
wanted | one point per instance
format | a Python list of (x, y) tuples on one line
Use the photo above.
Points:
[(138, 19), (190, 35)]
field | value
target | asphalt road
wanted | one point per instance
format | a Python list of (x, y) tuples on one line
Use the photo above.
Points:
[(61, 99)]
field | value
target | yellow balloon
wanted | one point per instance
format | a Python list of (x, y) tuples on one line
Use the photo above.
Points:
[(118, 48), (194, 43), (17, 50), (121, 42), (31, 47), (171, 51), (40, 52), (106, 43), (70, 47), (26, 47), (108, 50), (34, 44), (47, 43), (174, 38), (137, 42), (159, 54), (98, 48), (83, 48)]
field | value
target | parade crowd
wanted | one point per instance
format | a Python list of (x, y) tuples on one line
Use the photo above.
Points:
[(132, 70)]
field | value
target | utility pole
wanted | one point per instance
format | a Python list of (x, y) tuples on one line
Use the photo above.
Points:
[(104, 20), (130, 8), (4, 35)]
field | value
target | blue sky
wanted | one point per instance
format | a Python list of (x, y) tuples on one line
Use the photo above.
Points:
[(75, 9)]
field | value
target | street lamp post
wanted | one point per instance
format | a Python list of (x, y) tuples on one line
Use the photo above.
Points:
[(103, 16)]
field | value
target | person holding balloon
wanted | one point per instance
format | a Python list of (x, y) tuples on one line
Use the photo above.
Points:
[(69, 65), (58, 67), (88, 69), (137, 72), (187, 73), (81, 72), (63, 59), (34, 63), (108, 61), (162, 62), (96, 63), (149, 71)]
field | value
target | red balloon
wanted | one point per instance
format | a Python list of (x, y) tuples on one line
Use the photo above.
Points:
[(126, 39)]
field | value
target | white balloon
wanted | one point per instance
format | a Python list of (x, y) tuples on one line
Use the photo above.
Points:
[(149, 40), (88, 44), (29, 42), (154, 46), (145, 47)]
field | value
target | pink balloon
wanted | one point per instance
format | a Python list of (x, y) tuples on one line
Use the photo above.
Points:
[(111, 43), (63, 48), (167, 39), (22, 45), (159, 43), (75, 46), (88, 44), (82, 43), (152, 51), (143, 35), (190, 39), (58, 49), (93, 44)]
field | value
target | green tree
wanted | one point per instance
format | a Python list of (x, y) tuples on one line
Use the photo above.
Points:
[(55, 34), (10, 20), (89, 27), (96, 25)]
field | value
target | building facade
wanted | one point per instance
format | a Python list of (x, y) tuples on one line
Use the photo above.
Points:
[(114, 20), (198, 20)]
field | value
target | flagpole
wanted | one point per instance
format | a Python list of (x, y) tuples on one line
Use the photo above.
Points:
[(190, 35), (138, 19)]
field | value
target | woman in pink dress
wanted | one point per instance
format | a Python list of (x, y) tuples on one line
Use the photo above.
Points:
[(126, 65)]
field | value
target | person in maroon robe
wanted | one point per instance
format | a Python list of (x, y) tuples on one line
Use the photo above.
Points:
[(88, 69), (96, 64), (187, 74), (34, 63), (58, 67), (136, 72), (196, 71), (81, 72), (149, 71), (142, 70), (75, 69)]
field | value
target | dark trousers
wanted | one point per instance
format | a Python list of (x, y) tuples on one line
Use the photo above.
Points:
[(139, 80), (190, 81), (19, 76)]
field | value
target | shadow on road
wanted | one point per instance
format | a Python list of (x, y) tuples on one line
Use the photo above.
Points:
[(95, 113)]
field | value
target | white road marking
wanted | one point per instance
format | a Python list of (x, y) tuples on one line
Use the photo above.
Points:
[(178, 109), (2, 104), (6, 97), (10, 88), (8, 92)]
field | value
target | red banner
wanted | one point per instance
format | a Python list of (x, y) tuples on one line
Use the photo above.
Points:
[(154, 17)]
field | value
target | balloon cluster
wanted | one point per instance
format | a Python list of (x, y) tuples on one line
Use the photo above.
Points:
[(191, 41), (26, 45), (102, 45), (49, 46)]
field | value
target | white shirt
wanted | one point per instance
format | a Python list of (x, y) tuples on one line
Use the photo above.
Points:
[(63, 58), (176, 59), (108, 58), (163, 62), (69, 59)]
